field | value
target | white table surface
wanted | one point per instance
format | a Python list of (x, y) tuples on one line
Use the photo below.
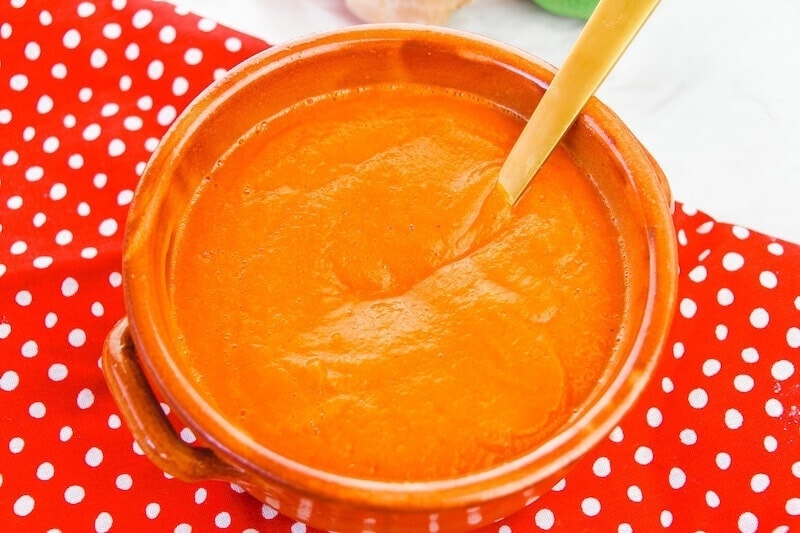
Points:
[(712, 88)]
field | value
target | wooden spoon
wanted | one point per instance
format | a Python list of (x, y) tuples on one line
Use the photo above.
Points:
[(607, 33)]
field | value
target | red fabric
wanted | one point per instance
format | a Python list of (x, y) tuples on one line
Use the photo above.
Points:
[(87, 89)]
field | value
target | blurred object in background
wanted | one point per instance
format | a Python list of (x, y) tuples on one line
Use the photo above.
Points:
[(580, 9), (420, 11)]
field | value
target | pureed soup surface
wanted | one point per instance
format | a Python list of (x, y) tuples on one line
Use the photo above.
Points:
[(351, 289)]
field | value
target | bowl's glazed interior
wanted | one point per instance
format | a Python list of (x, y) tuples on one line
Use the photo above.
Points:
[(271, 82)]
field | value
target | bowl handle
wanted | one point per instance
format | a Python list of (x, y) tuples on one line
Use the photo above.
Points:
[(143, 415)]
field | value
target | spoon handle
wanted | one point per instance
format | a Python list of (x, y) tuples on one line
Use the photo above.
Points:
[(607, 33)]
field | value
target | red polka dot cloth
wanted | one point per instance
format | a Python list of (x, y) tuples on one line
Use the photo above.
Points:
[(86, 91)]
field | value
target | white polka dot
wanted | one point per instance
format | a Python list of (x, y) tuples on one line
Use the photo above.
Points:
[(119, 5), (65, 434), (561, 484), (643, 455), (84, 210), (666, 518), (712, 499), (739, 232), (155, 69), (698, 398), (590, 506), (152, 510), (544, 519), (124, 482), (45, 471), (16, 445), (98, 59), (698, 274), (705, 227), (793, 336), (132, 52), (724, 297), (682, 240), (723, 460), (85, 399), (89, 252), (759, 318), (183, 528), (233, 44), (9, 381), (200, 495), (75, 161), (91, 132), (667, 385), (125, 82), (678, 349), (775, 248), (180, 86), (39, 219), (63, 237), (269, 513), (110, 109), (773, 408), (298, 527), (69, 287), (142, 18), (94, 456), (140, 167), (114, 421), (743, 383), (18, 248), (688, 437), (721, 332), (115, 279), (29, 132), (116, 147), (654, 417), (32, 50), (733, 418), (74, 494), (167, 34), (112, 30), (85, 94), (601, 467), (18, 82), (23, 298), (750, 355), (732, 261), (70, 121), (759, 483), (5, 116), (100, 180), (768, 279), (688, 308), (97, 309), (624, 528), (616, 435), (14, 202), (187, 436), (50, 145), (77, 337), (782, 370), (30, 349), (5, 330), (634, 494), (166, 115), (103, 522), (108, 227), (222, 520), (793, 506), (677, 478), (37, 410), (711, 367), (59, 71), (770, 443), (24, 505), (748, 523)]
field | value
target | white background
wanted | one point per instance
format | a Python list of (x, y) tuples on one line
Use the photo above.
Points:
[(711, 87)]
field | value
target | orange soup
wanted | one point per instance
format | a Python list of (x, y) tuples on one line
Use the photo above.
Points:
[(352, 290)]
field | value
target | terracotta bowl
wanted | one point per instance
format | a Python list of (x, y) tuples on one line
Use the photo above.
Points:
[(138, 355)]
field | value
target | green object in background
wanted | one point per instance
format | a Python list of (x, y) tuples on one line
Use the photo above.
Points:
[(579, 9)]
